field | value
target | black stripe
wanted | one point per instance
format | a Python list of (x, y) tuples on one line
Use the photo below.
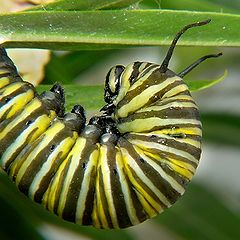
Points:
[(131, 151), (155, 78), (24, 88), (19, 128), (184, 113), (117, 194), (165, 127), (69, 211), (37, 163), (157, 180), (103, 198), (194, 151), (60, 184)]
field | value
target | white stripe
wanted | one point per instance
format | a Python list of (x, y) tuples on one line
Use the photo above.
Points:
[(161, 147), (173, 105), (81, 202), (175, 90), (141, 99), (141, 125), (48, 137), (80, 144), (186, 140), (138, 171), (19, 141), (174, 184), (46, 167), (126, 191), (103, 161)]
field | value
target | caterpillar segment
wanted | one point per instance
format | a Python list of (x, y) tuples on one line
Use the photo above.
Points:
[(120, 168)]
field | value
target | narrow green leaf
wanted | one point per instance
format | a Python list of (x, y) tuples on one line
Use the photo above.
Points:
[(63, 5), (203, 84), (198, 5), (111, 29), (233, 4)]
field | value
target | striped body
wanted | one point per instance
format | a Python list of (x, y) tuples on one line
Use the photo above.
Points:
[(95, 177)]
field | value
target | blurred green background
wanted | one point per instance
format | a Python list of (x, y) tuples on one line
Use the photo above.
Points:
[(210, 208)]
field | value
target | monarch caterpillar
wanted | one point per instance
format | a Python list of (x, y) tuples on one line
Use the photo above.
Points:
[(124, 166)]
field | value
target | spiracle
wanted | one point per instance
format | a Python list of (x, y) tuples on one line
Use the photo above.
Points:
[(124, 166)]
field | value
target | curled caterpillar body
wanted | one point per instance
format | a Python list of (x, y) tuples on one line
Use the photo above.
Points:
[(124, 166)]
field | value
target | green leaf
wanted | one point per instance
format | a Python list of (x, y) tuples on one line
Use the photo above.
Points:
[(90, 97), (191, 5), (203, 84), (67, 67), (62, 5), (74, 30), (198, 215)]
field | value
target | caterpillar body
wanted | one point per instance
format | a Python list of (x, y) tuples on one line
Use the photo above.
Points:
[(122, 167)]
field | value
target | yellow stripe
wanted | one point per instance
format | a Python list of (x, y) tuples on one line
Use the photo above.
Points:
[(124, 83), (39, 125), (175, 90), (75, 158), (32, 106), (175, 165), (4, 81), (10, 89), (146, 206), (144, 76), (130, 163), (147, 124), (177, 105), (159, 134), (95, 219), (81, 203), (161, 147), (60, 152), (180, 96), (16, 104), (99, 206), (183, 130), (48, 136), (126, 190), (49, 197), (174, 184), (4, 70), (103, 161), (141, 99)]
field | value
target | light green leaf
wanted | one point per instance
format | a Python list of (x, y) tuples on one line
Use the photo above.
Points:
[(61, 5), (74, 30), (192, 5), (203, 84)]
